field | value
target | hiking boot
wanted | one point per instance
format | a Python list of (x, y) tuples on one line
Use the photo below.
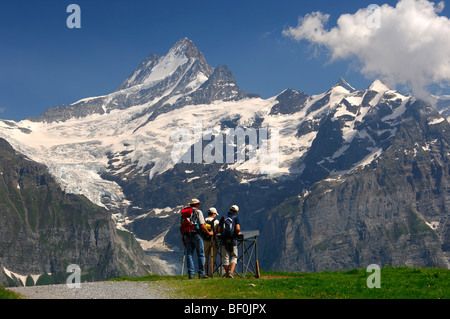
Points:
[(229, 275), (203, 276)]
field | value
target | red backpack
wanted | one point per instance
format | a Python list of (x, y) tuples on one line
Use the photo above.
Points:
[(189, 219)]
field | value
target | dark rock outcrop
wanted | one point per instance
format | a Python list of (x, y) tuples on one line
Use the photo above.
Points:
[(43, 230)]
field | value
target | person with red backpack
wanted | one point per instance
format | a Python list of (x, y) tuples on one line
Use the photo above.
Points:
[(192, 227), (229, 228)]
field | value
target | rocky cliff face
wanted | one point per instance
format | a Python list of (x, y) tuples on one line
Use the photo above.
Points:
[(394, 211), (43, 230), (361, 175)]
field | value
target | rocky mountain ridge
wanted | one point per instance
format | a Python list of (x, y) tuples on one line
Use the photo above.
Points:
[(359, 176), (393, 211), (44, 230)]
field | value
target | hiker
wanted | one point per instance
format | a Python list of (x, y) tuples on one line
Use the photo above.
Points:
[(192, 227), (210, 242), (229, 228)]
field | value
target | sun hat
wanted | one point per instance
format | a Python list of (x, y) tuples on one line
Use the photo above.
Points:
[(234, 208), (195, 201)]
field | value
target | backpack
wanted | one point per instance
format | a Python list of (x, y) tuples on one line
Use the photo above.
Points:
[(189, 219), (229, 226), (210, 226)]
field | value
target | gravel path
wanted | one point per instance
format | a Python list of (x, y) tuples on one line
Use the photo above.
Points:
[(98, 290)]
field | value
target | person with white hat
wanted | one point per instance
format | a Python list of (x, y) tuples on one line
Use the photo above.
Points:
[(229, 228), (193, 240), (210, 242)]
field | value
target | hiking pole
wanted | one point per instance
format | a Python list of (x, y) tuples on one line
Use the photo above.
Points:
[(184, 258), (211, 258)]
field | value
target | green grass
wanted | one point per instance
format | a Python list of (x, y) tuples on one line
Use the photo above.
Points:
[(6, 294), (396, 283)]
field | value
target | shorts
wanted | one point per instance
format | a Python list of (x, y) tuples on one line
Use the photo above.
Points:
[(229, 254)]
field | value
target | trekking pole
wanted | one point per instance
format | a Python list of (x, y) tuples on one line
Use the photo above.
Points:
[(184, 258), (211, 258)]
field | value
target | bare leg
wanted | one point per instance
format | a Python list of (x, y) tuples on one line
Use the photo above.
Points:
[(227, 268), (232, 266)]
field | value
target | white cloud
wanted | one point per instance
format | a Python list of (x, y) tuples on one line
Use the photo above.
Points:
[(2, 110), (410, 46)]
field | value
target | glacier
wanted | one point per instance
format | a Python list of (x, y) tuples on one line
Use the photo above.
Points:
[(128, 133)]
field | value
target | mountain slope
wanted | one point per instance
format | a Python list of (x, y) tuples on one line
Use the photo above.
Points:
[(43, 230), (333, 156), (393, 211)]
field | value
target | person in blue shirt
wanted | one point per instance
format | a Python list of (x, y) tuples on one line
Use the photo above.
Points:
[(229, 228)]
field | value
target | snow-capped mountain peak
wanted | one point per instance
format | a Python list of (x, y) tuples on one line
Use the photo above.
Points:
[(343, 83), (344, 152), (101, 146), (378, 86), (186, 47), (159, 84), (111, 132), (156, 68)]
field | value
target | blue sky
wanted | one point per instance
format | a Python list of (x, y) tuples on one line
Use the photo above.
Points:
[(44, 64)]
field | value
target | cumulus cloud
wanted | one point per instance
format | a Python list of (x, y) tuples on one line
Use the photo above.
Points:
[(408, 44)]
